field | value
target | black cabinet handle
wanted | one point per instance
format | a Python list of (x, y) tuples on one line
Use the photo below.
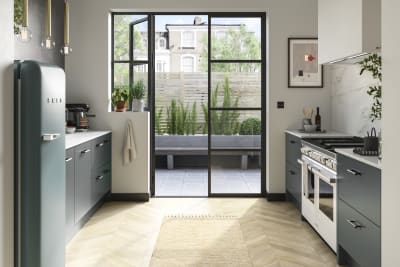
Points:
[(100, 144), (292, 172), (85, 151), (292, 142), (355, 224), (353, 172), (68, 159), (100, 177)]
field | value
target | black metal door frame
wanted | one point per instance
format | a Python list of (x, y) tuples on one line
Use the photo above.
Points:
[(151, 91)]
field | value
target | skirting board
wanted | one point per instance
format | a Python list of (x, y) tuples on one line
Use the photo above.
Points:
[(130, 197), (276, 196)]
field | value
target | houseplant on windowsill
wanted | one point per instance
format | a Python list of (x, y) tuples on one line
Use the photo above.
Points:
[(137, 93), (120, 98)]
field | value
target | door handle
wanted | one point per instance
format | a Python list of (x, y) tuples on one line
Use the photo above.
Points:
[(50, 137), (100, 144), (292, 142), (292, 172), (68, 159), (353, 172), (100, 177), (85, 151), (355, 224)]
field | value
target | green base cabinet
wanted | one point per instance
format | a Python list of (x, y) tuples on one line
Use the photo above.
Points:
[(359, 213), (293, 170)]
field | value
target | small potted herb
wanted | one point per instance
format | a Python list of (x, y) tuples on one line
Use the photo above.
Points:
[(120, 98), (137, 93)]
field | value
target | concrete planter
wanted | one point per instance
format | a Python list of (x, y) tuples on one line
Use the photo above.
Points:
[(137, 105)]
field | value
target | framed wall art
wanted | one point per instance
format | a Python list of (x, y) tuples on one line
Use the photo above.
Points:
[(304, 71)]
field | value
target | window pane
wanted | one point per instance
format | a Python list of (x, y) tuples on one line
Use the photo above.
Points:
[(140, 38), (140, 76), (121, 35), (188, 64), (188, 39), (121, 74), (236, 85), (236, 38)]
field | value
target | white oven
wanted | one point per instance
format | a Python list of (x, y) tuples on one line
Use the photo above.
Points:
[(319, 195)]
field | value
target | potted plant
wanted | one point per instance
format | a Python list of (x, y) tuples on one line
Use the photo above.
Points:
[(137, 94), (120, 98)]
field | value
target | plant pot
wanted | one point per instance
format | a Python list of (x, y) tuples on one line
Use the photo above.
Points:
[(120, 106), (137, 105)]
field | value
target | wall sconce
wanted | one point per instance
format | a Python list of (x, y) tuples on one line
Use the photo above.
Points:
[(48, 43), (66, 49), (24, 34)]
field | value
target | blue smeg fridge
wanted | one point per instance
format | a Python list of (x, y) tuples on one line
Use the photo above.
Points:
[(39, 121)]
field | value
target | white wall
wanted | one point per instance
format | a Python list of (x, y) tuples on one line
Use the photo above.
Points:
[(391, 130), (6, 132), (350, 103), (88, 75)]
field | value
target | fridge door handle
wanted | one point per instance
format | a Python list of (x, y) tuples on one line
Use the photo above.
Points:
[(50, 137)]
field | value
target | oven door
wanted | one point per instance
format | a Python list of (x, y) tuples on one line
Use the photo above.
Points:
[(309, 191), (326, 204)]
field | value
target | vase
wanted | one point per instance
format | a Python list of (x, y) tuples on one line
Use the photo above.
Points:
[(137, 105)]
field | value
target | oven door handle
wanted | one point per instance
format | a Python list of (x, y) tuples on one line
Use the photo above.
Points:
[(323, 177), (300, 161)]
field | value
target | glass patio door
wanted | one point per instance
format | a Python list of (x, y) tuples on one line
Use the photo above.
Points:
[(236, 104)]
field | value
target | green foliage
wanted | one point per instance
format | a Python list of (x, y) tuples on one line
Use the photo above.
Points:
[(235, 44), (373, 64), (225, 122), (121, 37), (138, 90), (250, 126), (120, 94), (180, 119), (18, 15), (158, 117)]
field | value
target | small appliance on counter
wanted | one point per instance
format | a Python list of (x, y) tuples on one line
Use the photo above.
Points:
[(78, 116)]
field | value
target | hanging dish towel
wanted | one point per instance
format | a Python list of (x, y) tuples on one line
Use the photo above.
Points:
[(129, 150)]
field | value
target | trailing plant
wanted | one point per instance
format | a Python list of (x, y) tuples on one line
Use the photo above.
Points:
[(18, 15), (138, 89), (373, 64), (158, 117), (250, 126), (225, 122)]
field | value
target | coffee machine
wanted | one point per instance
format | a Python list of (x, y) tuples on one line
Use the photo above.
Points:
[(77, 115)]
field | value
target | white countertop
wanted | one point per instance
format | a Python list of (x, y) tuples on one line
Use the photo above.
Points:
[(78, 138), (370, 160), (317, 135)]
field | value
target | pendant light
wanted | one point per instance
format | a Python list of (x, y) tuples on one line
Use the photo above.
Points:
[(25, 34), (48, 43), (66, 49)]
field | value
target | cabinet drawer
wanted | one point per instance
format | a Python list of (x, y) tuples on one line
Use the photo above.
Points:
[(101, 151), (362, 243), (293, 145), (360, 187), (101, 183), (293, 181)]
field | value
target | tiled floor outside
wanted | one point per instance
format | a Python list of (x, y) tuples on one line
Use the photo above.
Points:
[(194, 182)]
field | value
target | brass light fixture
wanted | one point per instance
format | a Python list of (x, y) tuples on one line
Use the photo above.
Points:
[(66, 49), (24, 34), (48, 43)]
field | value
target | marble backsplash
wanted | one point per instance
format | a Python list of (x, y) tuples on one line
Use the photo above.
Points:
[(350, 103)]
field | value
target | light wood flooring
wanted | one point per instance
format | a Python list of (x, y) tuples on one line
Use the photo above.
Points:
[(124, 233)]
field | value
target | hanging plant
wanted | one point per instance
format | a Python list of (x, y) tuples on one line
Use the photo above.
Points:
[(18, 15), (373, 64)]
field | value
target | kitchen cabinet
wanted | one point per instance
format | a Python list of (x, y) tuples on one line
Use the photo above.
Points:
[(359, 213), (348, 28), (83, 159), (293, 170), (70, 191), (88, 180)]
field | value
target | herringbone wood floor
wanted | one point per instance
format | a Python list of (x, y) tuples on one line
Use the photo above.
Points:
[(124, 234)]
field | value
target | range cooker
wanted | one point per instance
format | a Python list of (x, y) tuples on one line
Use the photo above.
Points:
[(319, 177)]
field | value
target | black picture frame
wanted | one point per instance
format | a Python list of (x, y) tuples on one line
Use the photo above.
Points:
[(312, 82)]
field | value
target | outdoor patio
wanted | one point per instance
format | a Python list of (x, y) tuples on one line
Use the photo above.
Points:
[(194, 181)]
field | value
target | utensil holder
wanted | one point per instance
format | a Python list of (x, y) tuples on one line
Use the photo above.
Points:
[(371, 143)]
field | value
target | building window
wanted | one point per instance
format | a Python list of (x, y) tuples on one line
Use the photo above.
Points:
[(162, 43), (188, 64), (188, 39), (160, 66)]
